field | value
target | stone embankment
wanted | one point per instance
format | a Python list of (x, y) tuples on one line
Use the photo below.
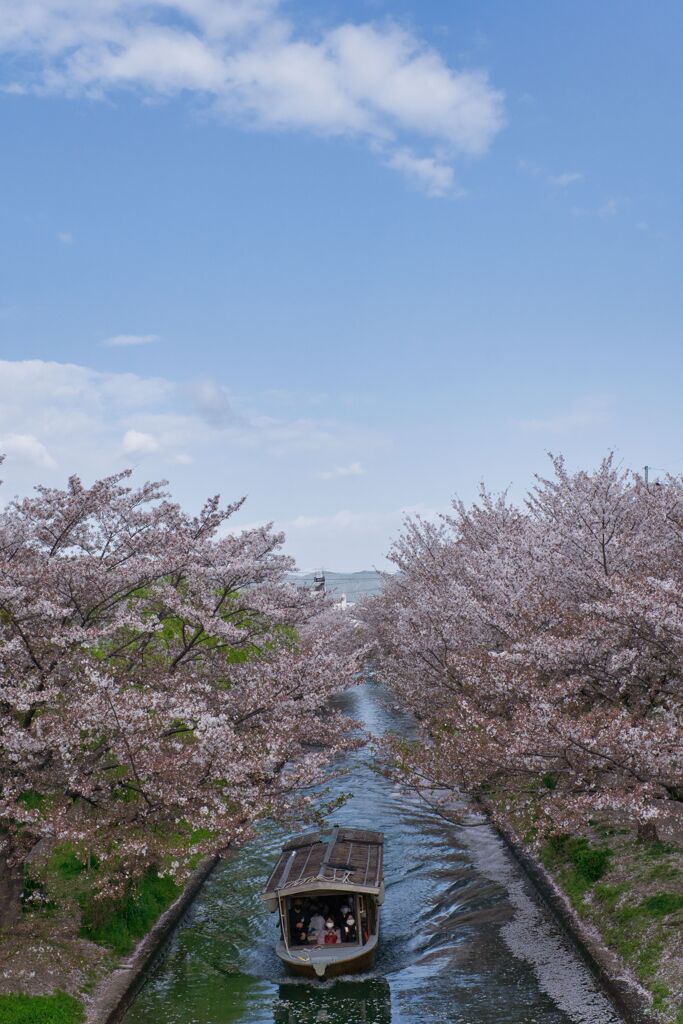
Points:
[(631, 999), (626, 920), (114, 995)]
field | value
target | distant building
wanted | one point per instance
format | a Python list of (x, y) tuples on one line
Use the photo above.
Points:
[(318, 585)]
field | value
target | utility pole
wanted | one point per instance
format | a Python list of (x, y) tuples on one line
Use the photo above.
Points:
[(647, 476)]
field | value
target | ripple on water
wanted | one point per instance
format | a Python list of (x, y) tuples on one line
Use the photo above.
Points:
[(463, 939)]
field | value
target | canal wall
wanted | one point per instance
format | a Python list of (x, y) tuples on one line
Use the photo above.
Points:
[(630, 998), (112, 997)]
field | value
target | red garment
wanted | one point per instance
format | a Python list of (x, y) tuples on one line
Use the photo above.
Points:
[(330, 938)]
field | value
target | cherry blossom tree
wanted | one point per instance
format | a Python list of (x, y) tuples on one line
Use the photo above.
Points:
[(542, 647), (162, 686)]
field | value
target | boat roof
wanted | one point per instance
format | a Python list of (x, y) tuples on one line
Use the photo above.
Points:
[(348, 858)]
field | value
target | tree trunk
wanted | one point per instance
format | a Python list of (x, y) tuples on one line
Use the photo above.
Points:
[(10, 887), (647, 832)]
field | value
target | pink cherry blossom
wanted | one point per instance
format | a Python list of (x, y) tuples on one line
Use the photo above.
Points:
[(162, 685), (541, 648)]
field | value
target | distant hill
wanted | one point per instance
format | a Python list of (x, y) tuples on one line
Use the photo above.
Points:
[(354, 584)]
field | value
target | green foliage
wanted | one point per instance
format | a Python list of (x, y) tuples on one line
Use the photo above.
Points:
[(658, 849), (34, 897), (32, 800), (627, 936), (589, 862), (549, 781), (637, 919), (654, 907), (118, 923), (609, 894), (578, 865), (660, 993), (65, 862), (648, 961), (56, 1009), (662, 903), (200, 835), (663, 872), (238, 655), (622, 937)]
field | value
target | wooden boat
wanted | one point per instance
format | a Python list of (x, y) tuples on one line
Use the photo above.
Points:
[(334, 874)]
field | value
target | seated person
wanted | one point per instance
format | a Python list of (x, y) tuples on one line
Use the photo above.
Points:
[(300, 932), (331, 935), (349, 932), (296, 912), (342, 913), (316, 926)]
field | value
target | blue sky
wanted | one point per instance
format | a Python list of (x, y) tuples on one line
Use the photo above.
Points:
[(348, 259)]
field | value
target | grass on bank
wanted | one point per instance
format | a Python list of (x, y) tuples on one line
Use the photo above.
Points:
[(629, 889), (633, 893), (61, 909), (118, 924), (56, 1009), (114, 923)]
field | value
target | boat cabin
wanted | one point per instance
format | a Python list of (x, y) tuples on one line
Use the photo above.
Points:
[(327, 888)]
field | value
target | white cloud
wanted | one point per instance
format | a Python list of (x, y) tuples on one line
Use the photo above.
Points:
[(347, 537), (435, 177), (26, 449), (135, 442), (126, 340), (609, 208), (57, 419), (89, 421), (30, 388), (530, 168), (587, 413), (352, 469), (565, 179), (376, 81), (213, 403), (562, 180)]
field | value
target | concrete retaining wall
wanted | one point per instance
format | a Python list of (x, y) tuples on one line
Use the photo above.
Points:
[(630, 999), (113, 996)]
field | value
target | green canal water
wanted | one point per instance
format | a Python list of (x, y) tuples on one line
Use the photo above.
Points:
[(463, 937)]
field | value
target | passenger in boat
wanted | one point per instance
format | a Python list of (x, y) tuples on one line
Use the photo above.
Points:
[(331, 935), (300, 932), (294, 915), (316, 926), (349, 932)]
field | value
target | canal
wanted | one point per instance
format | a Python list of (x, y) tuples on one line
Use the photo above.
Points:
[(464, 937)]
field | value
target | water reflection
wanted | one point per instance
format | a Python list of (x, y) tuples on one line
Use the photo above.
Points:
[(367, 1002)]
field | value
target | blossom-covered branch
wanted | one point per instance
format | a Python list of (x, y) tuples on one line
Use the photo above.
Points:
[(542, 648), (162, 686)]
